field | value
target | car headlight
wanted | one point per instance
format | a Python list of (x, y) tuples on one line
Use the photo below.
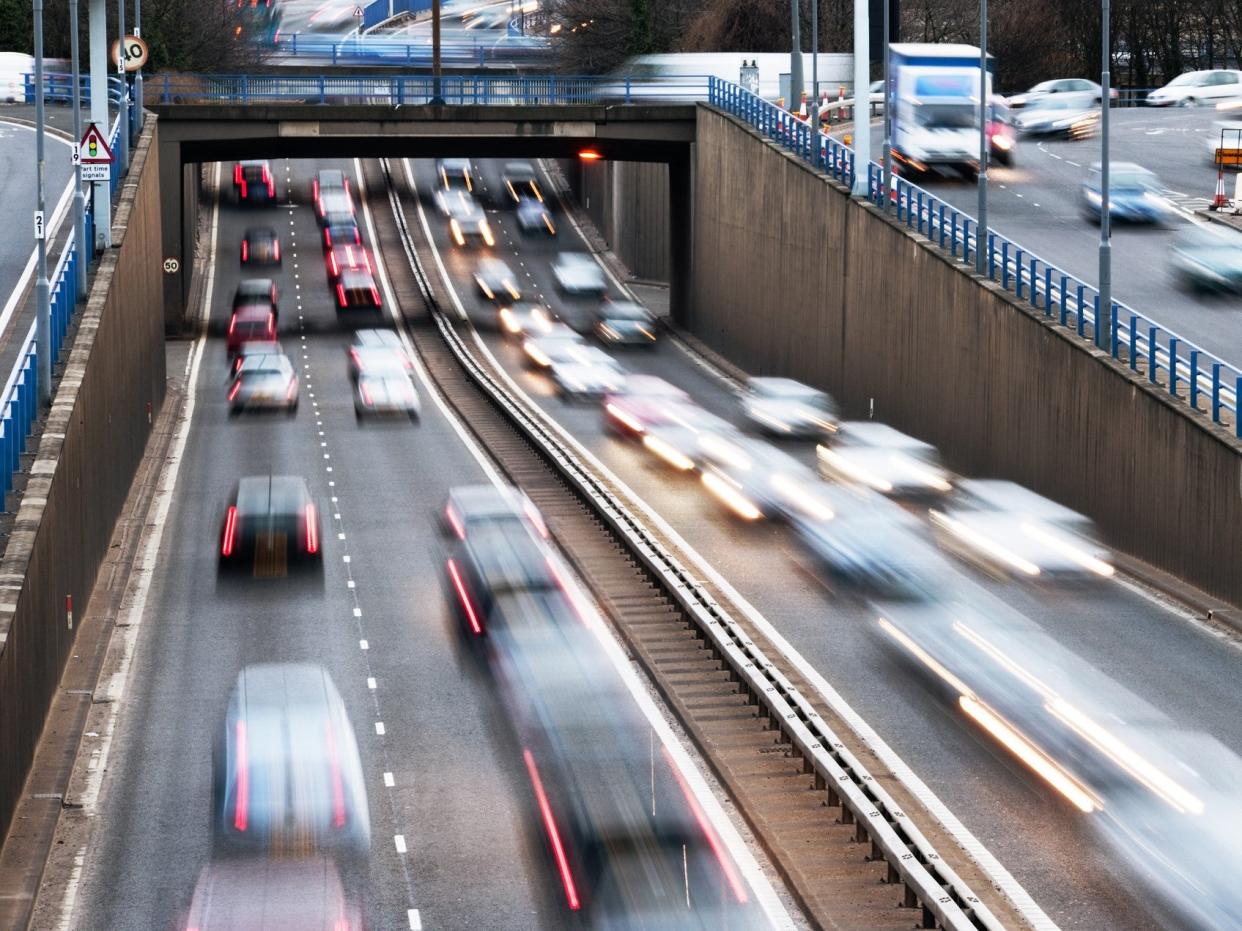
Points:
[(1062, 124), (1093, 197)]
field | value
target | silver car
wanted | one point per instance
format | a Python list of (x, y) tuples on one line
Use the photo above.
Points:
[(579, 274)]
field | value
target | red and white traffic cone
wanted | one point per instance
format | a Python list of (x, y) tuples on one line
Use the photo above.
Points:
[(1220, 201), (802, 111)]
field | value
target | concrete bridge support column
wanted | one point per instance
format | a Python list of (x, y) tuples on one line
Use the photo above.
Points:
[(681, 235)]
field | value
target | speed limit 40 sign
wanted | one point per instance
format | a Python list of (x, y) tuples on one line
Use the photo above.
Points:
[(135, 53)]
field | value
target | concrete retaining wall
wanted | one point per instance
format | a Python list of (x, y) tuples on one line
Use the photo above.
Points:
[(790, 276), (93, 440), (629, 204)]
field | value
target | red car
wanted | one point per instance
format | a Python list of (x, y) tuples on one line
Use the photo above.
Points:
[(356, 290), (250, 323), (347, 257)]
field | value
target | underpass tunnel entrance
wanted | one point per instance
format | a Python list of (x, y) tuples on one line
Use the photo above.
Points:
[(644, 167)]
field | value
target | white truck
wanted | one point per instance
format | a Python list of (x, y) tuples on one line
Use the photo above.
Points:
[(936, 107)]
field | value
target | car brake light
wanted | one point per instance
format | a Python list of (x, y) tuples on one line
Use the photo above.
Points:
[(357, 357), (340, 294), (276, 249), (245, 250), (455, 522), (245, 187), (375, 295), (236, 388), (271, 324), (312, 529), (230, 531), (338, 784), (232, 324), (464, 598), (292, 389), (241, 805), (237, 174), (327, 238), (315, 189), (267, 177), (554, 834), (271, 190), (334, 268), (726, 864), (319, 205), (366, 394)]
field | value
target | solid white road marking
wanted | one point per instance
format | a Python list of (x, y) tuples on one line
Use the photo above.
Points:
[(363, 645), (389, 781), (370, 679), (399, 841), (379, 728), (416, 921)]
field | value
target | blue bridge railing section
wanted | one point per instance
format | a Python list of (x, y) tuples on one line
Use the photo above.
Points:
[(19, 402), (404, 50), (403, 89), (1205, 382)]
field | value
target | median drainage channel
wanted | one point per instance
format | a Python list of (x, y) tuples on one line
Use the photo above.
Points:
[(847, 849)]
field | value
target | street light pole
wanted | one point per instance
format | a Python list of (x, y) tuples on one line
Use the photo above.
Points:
[(79, 200), (437, 91), (981, 232), (795, 58), (887, 177), (138, 73), (43, 290), (862, 81), (815, 72), (1104, 316)]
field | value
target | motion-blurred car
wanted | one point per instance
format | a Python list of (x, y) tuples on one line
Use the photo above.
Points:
[(288, 778), (624, 323), (455, 174), (258, 347), (1010, 531), (533, 216), (16, 68), (677, 438), (272, 519), (337, 234), (260, 246), (467, 221), (1086, 92), (644, 401), (1002, 136), (356, 290), (329, 179), (253, 182), (558, 343), (590, 379), (1070, 117), (1208, 257), (333, 205), (262, 892), (250, 323), (579, 274), (347, 257), (874, 547), (496, 564), (784, 407), (474, 507), (496, 280), (521, 181), (374, 351), (1133, 195), (383, 393), (264, 382), (876, 456), (256, 292), (525, 317), (1195, 88), (754, 479)]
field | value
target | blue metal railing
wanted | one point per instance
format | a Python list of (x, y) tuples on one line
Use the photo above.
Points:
[(1205, 382), (20, 398), (405, 50), (403, 89)]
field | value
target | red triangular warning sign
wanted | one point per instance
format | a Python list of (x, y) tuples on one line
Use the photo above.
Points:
[(94, 147)]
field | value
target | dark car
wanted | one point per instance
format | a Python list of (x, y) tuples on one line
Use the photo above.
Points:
[(520, 181), (253, 182), (306, 894), (625, 323), (1002, 137), (341, 232), (266, 382), (455, 174), (272, 520), (533, 216), (253, 291), (329, 179), (250, 323), (287, 776), (260, 246), (356, 290)]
